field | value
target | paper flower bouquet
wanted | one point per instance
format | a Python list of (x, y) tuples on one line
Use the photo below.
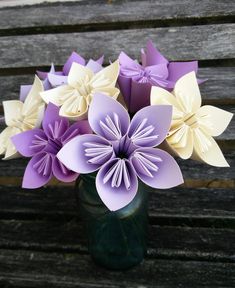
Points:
[(76, 124)]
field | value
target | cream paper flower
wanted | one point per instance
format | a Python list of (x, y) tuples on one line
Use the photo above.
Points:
[(75, 97), (193, 126), (21, 116)]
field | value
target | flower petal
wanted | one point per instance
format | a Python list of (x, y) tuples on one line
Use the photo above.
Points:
[(57, 80), (207, 150), (94, 66), (24, 91), (124, 84), (6, 145), (62, 173), (187, 93), (85, 153), (78, 73), (12, 111), (74, 57), (107, 77), (53, 124), (156, 168), (150, 125), (153, 56), (117, 183), (78, 128), (213, 119), (30, 142), (179, 69), (75, 108), (126, 61), (38, 171), (57, 95), (108, 117), (140, 95)]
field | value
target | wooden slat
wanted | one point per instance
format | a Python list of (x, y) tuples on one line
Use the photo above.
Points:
[(95, 13), (195, 42), (60, 203), (38, 269), (218, 89), (188, 242)]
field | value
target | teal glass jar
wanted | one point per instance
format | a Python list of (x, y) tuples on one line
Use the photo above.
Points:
[(116, 239)]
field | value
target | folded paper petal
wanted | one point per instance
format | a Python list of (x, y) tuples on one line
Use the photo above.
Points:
[(57, 80), (38, 171), (126, 61), (107, 77), (74, 57), (53, 124), (75, 108), (140, 96), (62, 173), (124, 84), (30, 142), (24, 91), (156, 168), (179, 69), (150, 125), (94, 66), (187, 93), (85, 153), (153, 56), (57, 95), (6, 145), (78, 72), (213, 119), (13, 112), (206, 149), (108, 118), (78, 128), (117, 183)]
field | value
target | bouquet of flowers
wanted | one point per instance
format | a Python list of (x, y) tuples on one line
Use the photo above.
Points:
[(111, 120)]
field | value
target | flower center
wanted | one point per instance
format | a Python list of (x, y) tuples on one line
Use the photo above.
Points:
[(124, 148), (191, 120)]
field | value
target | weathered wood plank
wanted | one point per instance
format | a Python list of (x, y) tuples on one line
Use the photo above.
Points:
[(38, 269), (195, 42), (218, 89), (96, 13), (187, 243), (60, 203)]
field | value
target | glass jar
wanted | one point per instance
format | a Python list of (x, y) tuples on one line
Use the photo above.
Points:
[(116, 239)]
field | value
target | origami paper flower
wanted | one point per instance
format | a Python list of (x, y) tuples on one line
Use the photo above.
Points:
[(21, 116), (193, 126), (43, 145), (135, 80), (75, 97), (57, 78), (123, 150)]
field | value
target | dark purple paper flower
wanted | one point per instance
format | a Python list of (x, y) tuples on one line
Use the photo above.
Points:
[(123, 150), (135, 80), (43, 145), (57, 78)]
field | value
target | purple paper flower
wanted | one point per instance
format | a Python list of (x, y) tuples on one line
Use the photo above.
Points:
[(123, 150), (43, 145), (57, 78), (135, 80)]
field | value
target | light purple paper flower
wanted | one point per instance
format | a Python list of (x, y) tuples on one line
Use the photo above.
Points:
[(135, 80), (57, 78), (43, 145), (123, 150)]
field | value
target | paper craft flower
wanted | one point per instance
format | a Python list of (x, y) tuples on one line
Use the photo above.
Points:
[(193, 126), (123, 150), (57, 78), (75, 97), (135, 80), (43, 145), (21, 116)]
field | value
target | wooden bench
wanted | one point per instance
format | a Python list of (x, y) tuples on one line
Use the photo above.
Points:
[(192, 236)]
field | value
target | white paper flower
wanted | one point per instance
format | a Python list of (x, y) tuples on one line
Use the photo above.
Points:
[(193, 126), (75, 97), (21, 116)]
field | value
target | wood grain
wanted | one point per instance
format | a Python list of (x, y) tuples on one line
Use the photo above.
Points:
[(195, 42), (39, 269), (94, 13)]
